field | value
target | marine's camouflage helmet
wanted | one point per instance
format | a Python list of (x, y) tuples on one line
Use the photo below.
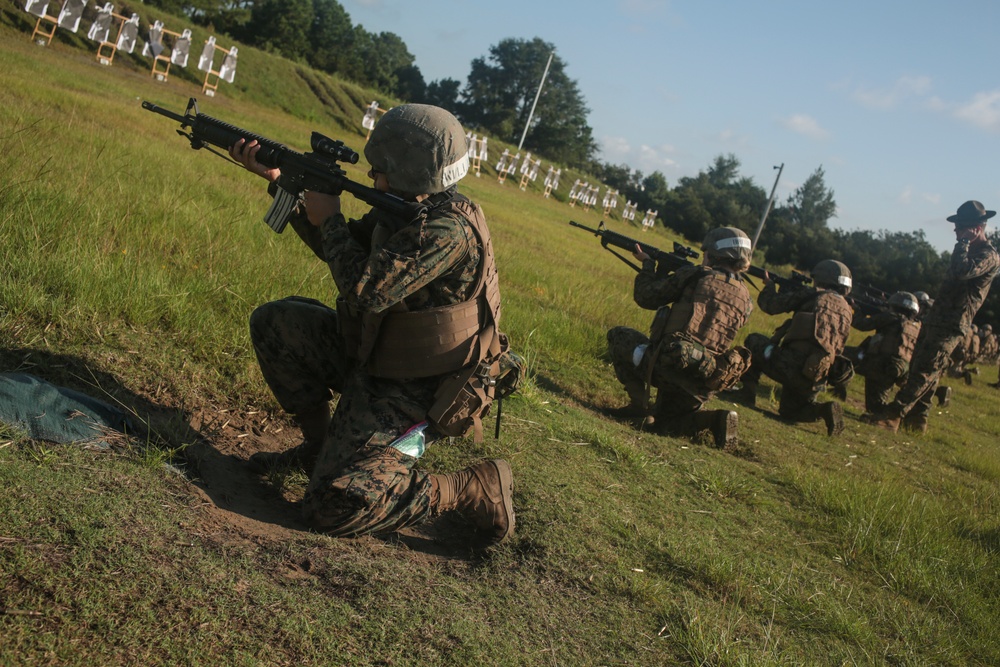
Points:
[(421, 148), (988, 328), (833, 274), (905, 301), (924, 299), (729, 244)]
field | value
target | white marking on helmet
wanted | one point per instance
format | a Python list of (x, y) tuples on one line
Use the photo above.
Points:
[(455, 171), (733, 242), (844, 280)]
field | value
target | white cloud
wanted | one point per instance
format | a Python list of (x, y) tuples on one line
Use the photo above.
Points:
[(907, 195), (655, 158), (935, 103), (805, 125), (983, 111), (646, 158), (615, 148), (729, 137), (906, 86)]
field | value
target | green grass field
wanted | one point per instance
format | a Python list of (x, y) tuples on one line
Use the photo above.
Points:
[(130, 267)]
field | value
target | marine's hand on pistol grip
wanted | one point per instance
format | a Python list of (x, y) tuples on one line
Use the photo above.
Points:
[(321, 206)]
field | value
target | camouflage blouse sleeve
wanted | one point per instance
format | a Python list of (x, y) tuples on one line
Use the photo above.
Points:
[(407, 261), (653, 290), (972, 261), (873, 322), (773, 302), (309, 234), (313, 237)]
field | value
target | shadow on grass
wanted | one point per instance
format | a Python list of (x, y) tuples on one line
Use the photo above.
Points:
[(546, 383), (163, 432)]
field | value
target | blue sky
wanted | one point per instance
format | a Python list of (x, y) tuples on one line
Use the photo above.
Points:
[(899, 102)]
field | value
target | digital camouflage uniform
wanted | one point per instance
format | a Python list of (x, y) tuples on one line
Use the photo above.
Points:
[(690, 350), (360, 485), (884, 358), (801, 352), (987, 346), (965, 355), (966, 284)]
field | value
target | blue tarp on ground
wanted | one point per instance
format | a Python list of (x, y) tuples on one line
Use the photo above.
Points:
[(48, 412)]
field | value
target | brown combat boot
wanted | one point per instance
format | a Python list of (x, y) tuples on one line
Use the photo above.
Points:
[(636, 408), (483, 494), (887, 422), (724, 425), (833, 416), (915, 423), (304, 455), (630, 412)]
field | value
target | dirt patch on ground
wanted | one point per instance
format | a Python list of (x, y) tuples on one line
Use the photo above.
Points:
[(235, 496), (240, 505)]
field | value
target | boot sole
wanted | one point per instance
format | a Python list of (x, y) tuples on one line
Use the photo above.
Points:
[(837, 419), (726, 433), (507, 489)]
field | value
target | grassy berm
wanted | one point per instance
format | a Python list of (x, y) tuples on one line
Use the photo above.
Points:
[(130, 267)]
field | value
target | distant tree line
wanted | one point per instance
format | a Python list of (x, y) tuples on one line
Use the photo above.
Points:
[(497, 98), (797, 231)]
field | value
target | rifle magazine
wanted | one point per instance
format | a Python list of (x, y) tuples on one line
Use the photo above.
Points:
[(280, 210)]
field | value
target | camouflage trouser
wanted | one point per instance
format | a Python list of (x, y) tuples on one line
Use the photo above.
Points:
[(881, 376), (931, 359), (676, 396), (359, 485), (798, 393)]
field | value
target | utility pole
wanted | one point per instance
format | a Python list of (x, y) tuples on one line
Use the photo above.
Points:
[(537, 93), (767, 209)]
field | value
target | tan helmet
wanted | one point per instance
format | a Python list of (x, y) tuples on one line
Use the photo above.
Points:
[(729, 244), (833, 274), (924, 299), (421, 148), (905, 301)]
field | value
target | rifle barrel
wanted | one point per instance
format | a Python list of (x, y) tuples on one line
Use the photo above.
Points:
[(318, 171)]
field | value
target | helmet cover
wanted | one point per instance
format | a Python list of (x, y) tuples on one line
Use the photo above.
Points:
[(728, 243), (905, 301), (421, 148), (831, 273)]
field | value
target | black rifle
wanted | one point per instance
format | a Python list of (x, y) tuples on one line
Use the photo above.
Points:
[(867, 302), (318, 171), (665, 261), (874, 293), (797, 280), (671, 261)]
